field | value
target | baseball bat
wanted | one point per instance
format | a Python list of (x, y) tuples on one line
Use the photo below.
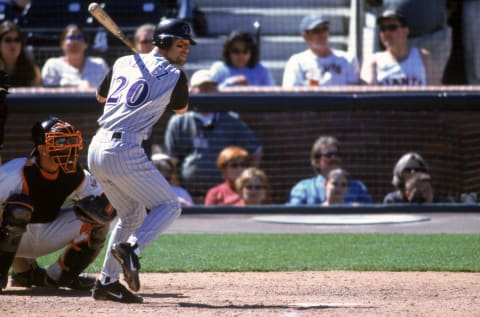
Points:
[(104, 19)]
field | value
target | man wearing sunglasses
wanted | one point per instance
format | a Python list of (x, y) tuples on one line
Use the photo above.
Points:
[(319, 65), (325, 156), (399, 64)]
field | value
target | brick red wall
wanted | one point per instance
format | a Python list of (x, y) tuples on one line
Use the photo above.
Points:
[(372, 140)]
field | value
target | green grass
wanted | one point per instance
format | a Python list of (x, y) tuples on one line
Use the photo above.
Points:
[(298, 252)]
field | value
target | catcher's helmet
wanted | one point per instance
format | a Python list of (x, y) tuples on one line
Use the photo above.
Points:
[(168, 29), (62, 141)]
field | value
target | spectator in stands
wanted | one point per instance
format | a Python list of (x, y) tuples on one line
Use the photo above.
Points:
[(74, 68), (336, 186), (428, 27), (167, 166), (253, 187), (399, 64), (14, 60), (407, 166), (143, 37), (319, 65), (471, 40), (231, 162), (241, 65), (196, 138), (324, 157), (418, 189)]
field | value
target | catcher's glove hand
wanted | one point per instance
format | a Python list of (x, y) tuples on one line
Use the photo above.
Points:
[(95, 209)]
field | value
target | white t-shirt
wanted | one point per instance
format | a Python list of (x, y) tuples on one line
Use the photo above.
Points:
[(57, 72), (307, 69)]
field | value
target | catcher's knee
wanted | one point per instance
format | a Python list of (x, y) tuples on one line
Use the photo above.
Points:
[(17, 212), (82, 252)]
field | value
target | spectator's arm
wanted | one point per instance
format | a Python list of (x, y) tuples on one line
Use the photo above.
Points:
[(298, 195), (353, 72), (431, 69), (368, 73), (37, 79), (50, 76), (291, 77)]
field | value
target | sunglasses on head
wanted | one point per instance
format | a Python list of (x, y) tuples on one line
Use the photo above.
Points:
[(389, 27), (78, 37), (329, 155), (11, 40), (254, 187), (238, 51), (414, 170)]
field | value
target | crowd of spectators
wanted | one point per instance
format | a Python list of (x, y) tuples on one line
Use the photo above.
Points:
[(415, 40), (198, 143)]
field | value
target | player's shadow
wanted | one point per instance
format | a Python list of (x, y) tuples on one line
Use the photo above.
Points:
[(165, 295), (46, 291), (259, 306)]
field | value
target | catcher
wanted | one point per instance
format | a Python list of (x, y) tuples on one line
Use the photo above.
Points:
[(32, 221)]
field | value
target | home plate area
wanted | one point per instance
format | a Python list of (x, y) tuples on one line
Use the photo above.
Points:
[(363, 219)]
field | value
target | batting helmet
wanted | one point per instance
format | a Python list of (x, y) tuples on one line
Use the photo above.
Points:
[(169, 29), (62, 141)]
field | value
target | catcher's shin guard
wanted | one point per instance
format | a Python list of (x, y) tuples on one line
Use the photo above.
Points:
[(82, 251), (17, 213)]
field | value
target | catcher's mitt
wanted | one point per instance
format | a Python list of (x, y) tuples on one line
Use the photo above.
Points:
[(95, 209)]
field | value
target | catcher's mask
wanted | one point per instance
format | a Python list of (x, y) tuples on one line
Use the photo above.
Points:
[(62, 142)]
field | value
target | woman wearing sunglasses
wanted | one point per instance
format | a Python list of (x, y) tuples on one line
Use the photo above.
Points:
[(253, 187), (409, 166), (74, 68), (14, 60), (241, 65), (399, 64), (231, 162)]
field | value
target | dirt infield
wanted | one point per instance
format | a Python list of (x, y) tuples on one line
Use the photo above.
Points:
[(287, 294)]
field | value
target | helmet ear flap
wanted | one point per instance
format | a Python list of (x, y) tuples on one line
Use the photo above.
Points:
[(164, 42)]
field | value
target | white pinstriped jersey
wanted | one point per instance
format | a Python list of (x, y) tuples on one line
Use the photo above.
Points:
[(140, 90), (409, 72)]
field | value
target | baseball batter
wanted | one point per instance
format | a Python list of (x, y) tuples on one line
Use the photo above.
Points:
[(138, 90), (32, 223)]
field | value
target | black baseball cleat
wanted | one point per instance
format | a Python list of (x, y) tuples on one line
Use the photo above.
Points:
[(33, 277), (115, 292), (124, 254)]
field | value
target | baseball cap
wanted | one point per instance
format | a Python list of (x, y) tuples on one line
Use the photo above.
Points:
[(202, 76), (392, 14), (311, 21)]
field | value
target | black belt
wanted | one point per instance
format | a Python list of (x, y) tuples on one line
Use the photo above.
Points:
[(117, 135)]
